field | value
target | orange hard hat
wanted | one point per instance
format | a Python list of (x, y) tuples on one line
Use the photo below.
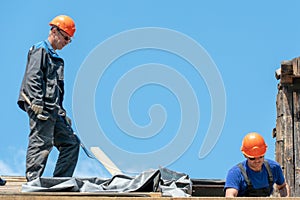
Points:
[(253, 145), (64, 23)]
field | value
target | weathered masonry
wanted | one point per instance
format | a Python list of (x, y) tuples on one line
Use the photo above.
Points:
[(287, 131)]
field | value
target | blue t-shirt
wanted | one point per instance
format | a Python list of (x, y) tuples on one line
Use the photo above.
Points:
[(235, 178)]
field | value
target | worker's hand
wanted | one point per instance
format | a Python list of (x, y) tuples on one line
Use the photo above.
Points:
[(36, 109), (69, 121)]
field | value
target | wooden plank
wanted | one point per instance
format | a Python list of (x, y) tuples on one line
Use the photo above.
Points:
[(286, 76), (8, 195), (105, 161), (297, 142), (296, 101), (284, 134), (282, 102), (280, 120), (279, 145), (296, 69), (13, 183), (289, 154)]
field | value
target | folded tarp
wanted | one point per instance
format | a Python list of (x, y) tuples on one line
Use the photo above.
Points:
[(162, 180)]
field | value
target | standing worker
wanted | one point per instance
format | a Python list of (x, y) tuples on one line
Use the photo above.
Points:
[(255, 176), (41, 96)]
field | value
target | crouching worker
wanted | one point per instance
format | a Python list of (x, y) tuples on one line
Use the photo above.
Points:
[(255, 176)]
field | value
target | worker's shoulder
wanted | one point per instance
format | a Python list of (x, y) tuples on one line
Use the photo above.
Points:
[(236, 168), (37, 47), (273, 163), (41, 44)]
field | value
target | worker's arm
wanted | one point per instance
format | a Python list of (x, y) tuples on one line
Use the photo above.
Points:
[(231, 192), (284, 190)]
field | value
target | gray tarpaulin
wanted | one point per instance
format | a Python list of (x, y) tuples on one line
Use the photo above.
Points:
[(163, 180)]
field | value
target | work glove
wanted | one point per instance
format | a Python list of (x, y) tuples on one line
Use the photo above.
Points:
[(68, 120), (36, 109), (63, 113)]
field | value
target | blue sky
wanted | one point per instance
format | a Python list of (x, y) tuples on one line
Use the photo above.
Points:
[(246, 42)]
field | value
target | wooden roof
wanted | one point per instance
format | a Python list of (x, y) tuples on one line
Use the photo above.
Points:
[(12, 191)]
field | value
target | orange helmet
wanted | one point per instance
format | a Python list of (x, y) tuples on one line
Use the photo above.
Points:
[(65, 23), (253, 145)]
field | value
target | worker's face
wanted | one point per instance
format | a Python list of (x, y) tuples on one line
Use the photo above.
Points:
[(255, 163), (62, 39)]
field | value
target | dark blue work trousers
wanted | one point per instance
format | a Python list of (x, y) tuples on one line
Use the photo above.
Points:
[(44, 134)]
